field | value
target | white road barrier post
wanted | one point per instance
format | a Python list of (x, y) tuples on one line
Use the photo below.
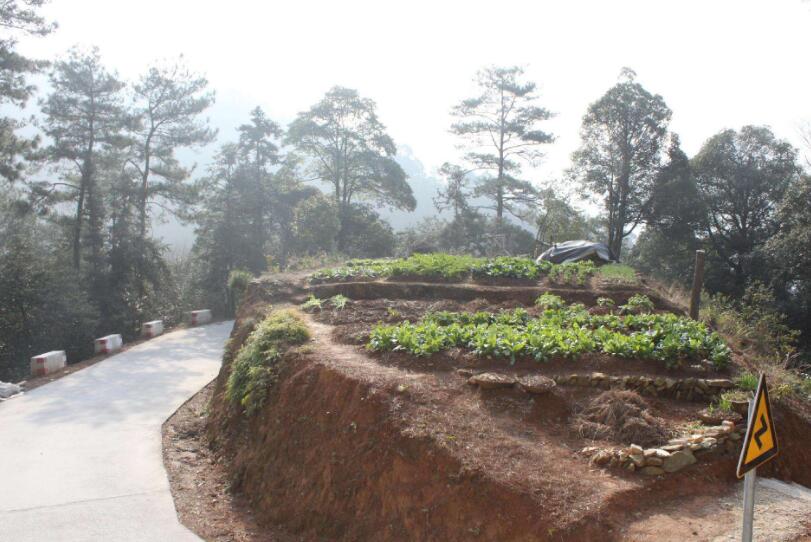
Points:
[(152, 329), (108, 344), (200, 317), (50, 362)]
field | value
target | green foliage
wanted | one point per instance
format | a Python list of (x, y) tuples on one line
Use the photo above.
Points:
[(605, 302), (752, 319), (563, 331), (338, 302), (352, 152), (256, 365), (238, 280), (365, 233), (629, 124), (725, 400), (44, 304), (741, 175), (637, 304), (312, 304), (501, 127)]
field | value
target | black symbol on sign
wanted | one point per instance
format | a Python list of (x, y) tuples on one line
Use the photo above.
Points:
[(759, 433)]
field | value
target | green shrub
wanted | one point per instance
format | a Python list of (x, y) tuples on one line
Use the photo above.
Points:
[(255, 367), (238, 281), (753, 319)]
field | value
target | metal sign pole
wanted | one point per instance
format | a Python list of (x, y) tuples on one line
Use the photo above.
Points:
[(749, 491)]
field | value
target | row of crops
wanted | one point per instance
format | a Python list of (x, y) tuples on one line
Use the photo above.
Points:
[(558, 331), (457, 268)]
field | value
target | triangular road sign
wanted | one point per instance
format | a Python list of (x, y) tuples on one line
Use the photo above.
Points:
[(760, 444)]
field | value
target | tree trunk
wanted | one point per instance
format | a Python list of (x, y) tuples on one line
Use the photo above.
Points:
[(144, 188), (77, 227)]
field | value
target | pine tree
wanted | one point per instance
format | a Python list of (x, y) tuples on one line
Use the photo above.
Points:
[(17, 17), (169, 100), (501, 128), (84, 117)]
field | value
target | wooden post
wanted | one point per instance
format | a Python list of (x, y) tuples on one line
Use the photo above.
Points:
[(698, 282)]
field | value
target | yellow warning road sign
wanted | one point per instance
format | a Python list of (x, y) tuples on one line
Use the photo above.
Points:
[(760, 444)]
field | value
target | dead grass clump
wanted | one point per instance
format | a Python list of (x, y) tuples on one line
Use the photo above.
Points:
[(621, 416)]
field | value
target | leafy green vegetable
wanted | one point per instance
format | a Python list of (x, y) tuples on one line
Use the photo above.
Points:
[(637, 304), (559, 331), (456, 268), (550, 301)]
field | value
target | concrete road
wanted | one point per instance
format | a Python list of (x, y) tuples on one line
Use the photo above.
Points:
[(80, 458)]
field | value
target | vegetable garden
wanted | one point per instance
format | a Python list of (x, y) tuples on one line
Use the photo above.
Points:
[(457, 268), (558, 331)]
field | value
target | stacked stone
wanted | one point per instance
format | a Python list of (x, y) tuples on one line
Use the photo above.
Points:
[(534, 384), (672, 457), (680, 388)]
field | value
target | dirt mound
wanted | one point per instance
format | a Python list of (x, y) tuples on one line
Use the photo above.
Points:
[(353, 445), (622, 416)]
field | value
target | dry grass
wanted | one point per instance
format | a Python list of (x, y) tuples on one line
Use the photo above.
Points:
[(621, 416)]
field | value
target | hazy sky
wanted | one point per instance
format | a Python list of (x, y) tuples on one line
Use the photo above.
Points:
[(718, 64)]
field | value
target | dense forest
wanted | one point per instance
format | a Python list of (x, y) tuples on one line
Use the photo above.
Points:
[(83, 181)]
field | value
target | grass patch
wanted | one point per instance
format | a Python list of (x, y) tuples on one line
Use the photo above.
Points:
[(255, 367), (312, 304), (618, 273), (747, 381)]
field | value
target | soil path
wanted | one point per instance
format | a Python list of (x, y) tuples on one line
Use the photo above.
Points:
[(782, 514), (80, 458)]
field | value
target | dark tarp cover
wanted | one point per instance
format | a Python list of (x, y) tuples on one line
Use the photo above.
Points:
[(573, 251)]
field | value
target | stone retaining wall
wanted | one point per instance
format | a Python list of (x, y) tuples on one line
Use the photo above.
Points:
[(680, 388), (672, 457)]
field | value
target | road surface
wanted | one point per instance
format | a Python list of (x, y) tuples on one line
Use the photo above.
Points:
[(80, 458)]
